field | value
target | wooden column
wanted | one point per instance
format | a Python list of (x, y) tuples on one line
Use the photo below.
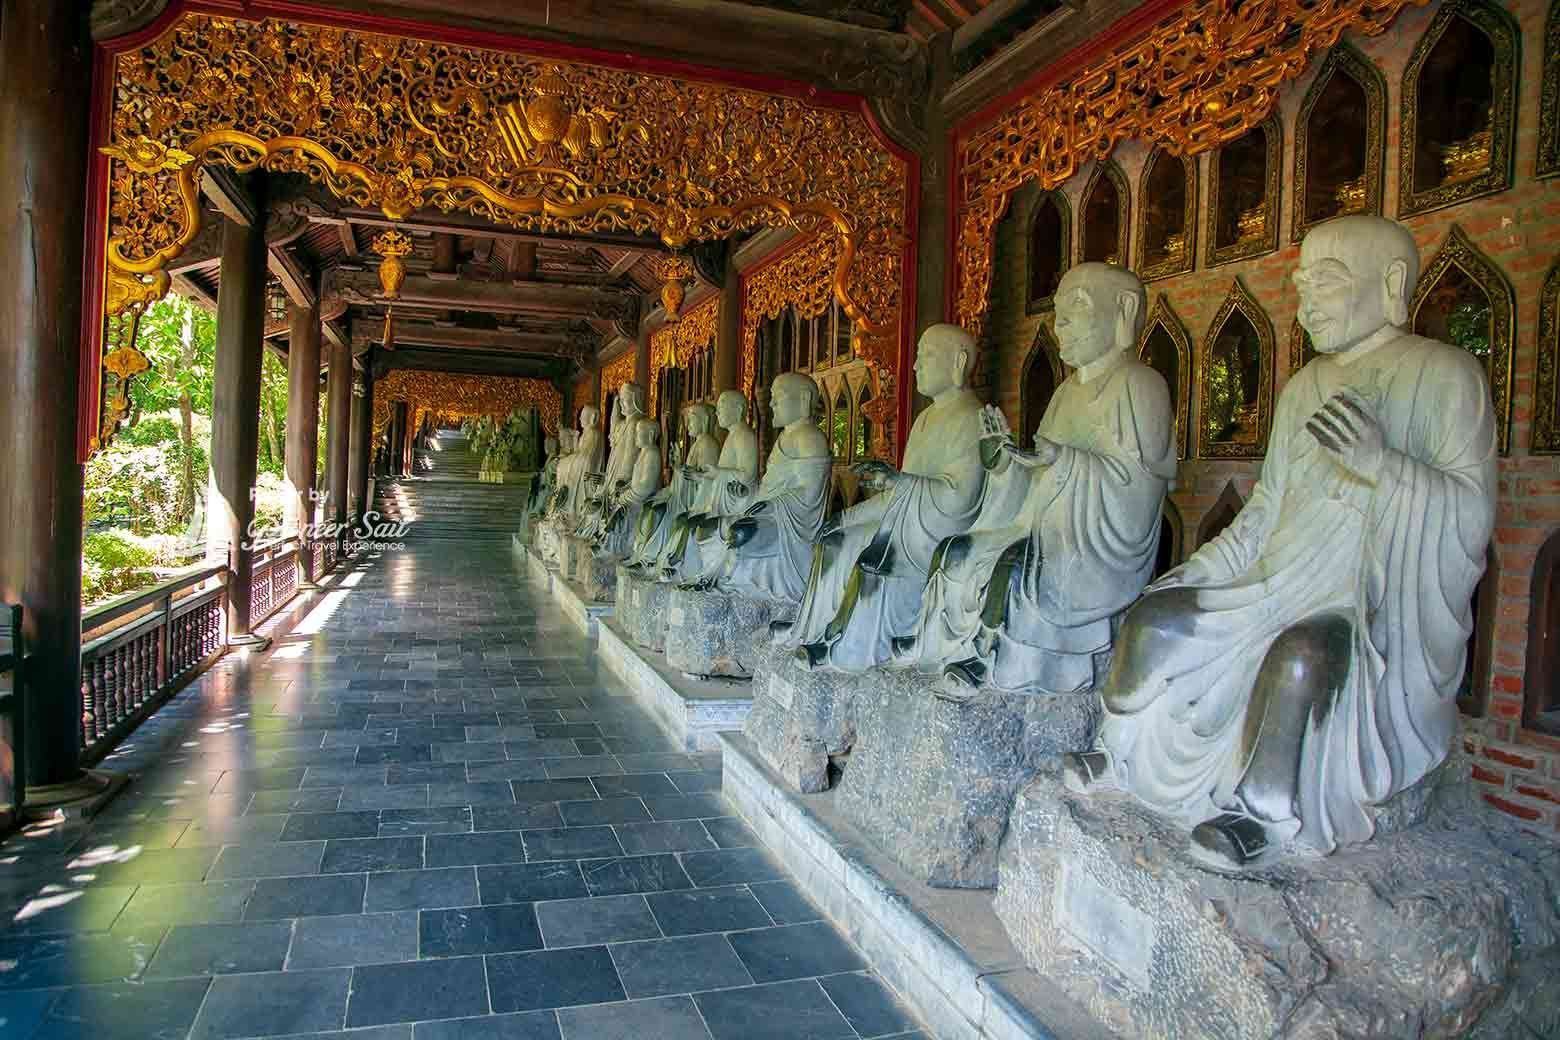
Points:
[(338, 412), (303, 419), (641, 363), (44, 68), (403, 434), (235, 414), (362, 461), (727, 374)]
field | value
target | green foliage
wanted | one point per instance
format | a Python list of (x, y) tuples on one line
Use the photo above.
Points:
[(113, 562), (273, 413)]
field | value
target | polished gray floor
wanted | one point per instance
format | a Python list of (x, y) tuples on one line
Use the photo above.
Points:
[(428, 814)]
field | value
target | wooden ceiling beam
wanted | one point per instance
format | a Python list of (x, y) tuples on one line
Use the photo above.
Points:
[(539, 298), (435, 222)]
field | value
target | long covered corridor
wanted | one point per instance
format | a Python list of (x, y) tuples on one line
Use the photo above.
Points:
[(425, 804)]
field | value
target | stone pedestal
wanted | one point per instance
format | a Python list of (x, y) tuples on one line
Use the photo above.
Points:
[(932, 781), (714, 633), (1417, 933), (641, 608), (800, 718), (596, 575)]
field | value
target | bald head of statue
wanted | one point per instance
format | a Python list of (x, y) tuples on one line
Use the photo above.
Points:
[(1356, 275), (942, 360), (793, 396), (588, 417), (730, 409), (1099, 310)]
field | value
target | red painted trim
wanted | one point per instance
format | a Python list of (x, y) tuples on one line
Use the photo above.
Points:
[(89, 380)]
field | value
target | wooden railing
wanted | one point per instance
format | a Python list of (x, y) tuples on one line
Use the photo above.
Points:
[(13, 774), (273, 580), (151, 642)]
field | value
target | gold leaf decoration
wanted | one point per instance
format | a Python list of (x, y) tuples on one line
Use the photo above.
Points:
[(673, 346), (801, 278), (614, 374), (449, 396)]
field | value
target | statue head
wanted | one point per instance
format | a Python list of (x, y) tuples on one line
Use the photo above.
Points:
[(647, 433), (793, 397), (730, 409), (697, 419), (1099, 310), (569, 439), (942, 360), (631, 400), (1356, 275), (588, 416)]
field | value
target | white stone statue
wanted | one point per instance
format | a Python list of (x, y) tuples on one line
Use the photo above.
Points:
[(1302, 667), (547, 479), (644, 480), (723, 491), (585, 462), (621, 456), (1067, 533), (662, 513), (869, 569), (769, 548)]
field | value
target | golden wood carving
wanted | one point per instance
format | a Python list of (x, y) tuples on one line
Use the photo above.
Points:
[(673, 271), (1202, 76), (673, 346), (452, 396), (614, 374), (583, 387), (800, 279), (392, 245), (401, 124)]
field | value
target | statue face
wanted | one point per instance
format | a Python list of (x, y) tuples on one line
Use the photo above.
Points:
[(790, 402), (646, 435), (936, 367), (1085, 323), (1341, 299), (729, 409), (587, 418)]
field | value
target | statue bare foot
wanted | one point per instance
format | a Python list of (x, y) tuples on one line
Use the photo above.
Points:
[(812, 655), (1084, 772)]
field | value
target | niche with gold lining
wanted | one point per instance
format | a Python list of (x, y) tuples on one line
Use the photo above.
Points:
[(1104, 217), (1167, 215), (1546, 394), (1235, 380), (1243, 202), (1166, 347), (1339, 137)]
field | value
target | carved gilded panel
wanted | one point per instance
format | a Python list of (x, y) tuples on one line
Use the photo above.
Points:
[(1166, 227), (1432, 174), (1235, 380), (452, 396), (674, 345), (1358, 189), (1464, 298), (800, 279), (1546, 404), (1243, 204), (614, 374), (1166, 347)]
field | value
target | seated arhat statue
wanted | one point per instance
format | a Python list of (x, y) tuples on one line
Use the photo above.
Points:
[(769, 547), (723, 492), (1066, 537), (1301, 668), (582, 467), (622, 453), (661, 514), (869, 569), (644, 480), (546, 480)]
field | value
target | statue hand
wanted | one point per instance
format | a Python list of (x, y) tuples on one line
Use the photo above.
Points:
[(876, 475), (1189, 573), (737, 488), (1349, 433), (1046, 451), (993, 424)]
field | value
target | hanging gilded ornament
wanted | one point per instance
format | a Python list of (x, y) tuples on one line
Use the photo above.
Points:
[(392, 245), (672, 270)]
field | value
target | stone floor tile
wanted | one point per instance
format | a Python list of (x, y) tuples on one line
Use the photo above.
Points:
[(780, 1011), (617, 876), (351, 939), (553, 978), (678, 836), (446, 819), (795, 951), (785, 902), (319, 826), (36, 963), (421, 889), (480, 929), (275, 898), (284, 859), (418, 990), (684, 965), (531, 882), (602, 919), (707, 910), (221, 949), (604, 810), (535, 816), (688, 807), (186, 904), (730, 867), (273, 1004), (524, 1025), (357, 855), (530, 791), (570, 843), (124, 1011), (731, 833), (663, 1018), (633, 785), (868, 1005), (453, 850)]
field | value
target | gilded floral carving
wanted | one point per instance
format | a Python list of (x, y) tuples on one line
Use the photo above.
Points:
[(453, 396)]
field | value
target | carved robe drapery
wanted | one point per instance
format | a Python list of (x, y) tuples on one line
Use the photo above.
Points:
[(675, 500), (1398, 561), (790, 508)]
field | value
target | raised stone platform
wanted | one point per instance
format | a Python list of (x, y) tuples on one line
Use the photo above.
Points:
[(932, 781), (710, 633), (641, 607), (694, 711), (570, 598), (801, 719), (1431, 931), (942, 950)]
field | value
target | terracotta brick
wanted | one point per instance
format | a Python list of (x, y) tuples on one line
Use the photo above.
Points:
[(1510, 758), (1542, 794), (1511, 808), (1489, 776)]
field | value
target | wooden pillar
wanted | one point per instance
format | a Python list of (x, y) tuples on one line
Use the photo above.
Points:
[(727, 373), (359, 465), (303, 418), (338, 420), (403, 433), (44, 66), (641, 363)]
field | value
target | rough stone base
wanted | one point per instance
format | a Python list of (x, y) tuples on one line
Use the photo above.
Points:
[(1415, 934), (567, 596), (933, 781), (641, 608), (597, 576), (715, 633), (801, 718)]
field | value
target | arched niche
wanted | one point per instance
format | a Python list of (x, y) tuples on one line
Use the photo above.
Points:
[(1103, 216), (1541, 682), (1220, 515), (1546, 394), (1235, 376), (1168, 553), (1473, 691), (1243, 195), (1459, 108), (1049, 249), (1465, 300), (1548, 164), (839, 423), (1167, 215), (1339, 137), (1167, 349), (1042, 375), (841, 336), (862, 448), (1301, 351)]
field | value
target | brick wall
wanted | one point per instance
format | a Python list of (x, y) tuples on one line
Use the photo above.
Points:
[(1519, 230)]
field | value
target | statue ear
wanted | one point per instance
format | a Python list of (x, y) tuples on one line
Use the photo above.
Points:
[(961, 366), (1394, 288), (1126, 319)]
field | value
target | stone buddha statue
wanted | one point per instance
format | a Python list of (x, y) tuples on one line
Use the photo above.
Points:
[(1301, 669), (584, 462), (643, 482), (1066, 536), (547, 479), (768, 548), (723, 491), (869, 568), (662, 513), (622, 453)]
